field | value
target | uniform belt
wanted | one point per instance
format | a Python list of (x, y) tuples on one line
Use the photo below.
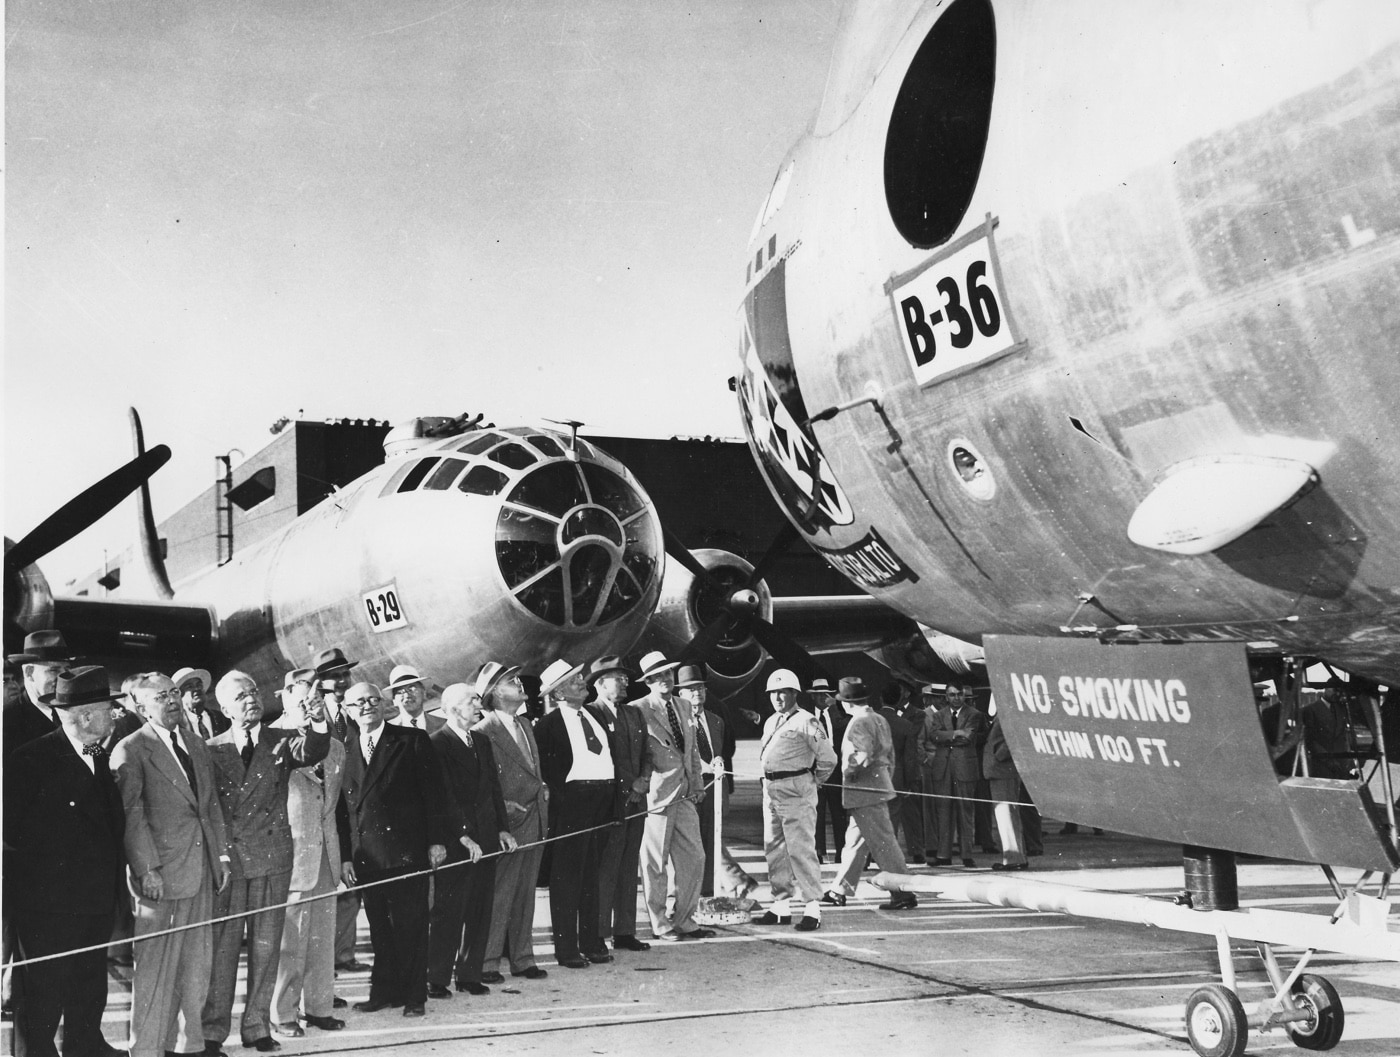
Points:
[(773, 776)]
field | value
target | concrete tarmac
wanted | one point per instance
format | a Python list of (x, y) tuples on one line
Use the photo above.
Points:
[(944, 978)]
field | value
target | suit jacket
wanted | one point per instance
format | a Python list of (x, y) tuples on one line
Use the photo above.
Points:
[(311, 810), (630, 751), (557, 751), (124, 724), (522, 784), (935, 741), (254, 799), (717, 733), (906, 748), (63, 829), (474, 786), (169, 826), (396, 806), (218, 722), (996, 757), (676, 768), (867, 761), (23, 723), (965, 758), (432, 721)]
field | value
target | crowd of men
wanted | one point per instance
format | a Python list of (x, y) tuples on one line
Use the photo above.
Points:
[(201, 801)]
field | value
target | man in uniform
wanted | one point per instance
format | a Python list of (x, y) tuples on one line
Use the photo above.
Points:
[(620, 853), (406, 690), (833, 719), (333, 679), (671, 834), (796, 758), (193, 686), (178, 850)]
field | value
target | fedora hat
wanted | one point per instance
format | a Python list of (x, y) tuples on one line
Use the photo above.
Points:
[(299, 675), (43, 647), (606, 666), (404, 675), (690, 675), (820, 686), (331, 660), (80, 686), (852, 691), (184, 675), (655, 663), (556, 674), (492, 674)]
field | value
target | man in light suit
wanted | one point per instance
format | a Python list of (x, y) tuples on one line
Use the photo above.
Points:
[(408, 691), (672, 831), (305, 967), (178, 853), (621, 847), (527, 808), (252, 768)]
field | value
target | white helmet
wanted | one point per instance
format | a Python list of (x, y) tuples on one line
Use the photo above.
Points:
[(783, 679)]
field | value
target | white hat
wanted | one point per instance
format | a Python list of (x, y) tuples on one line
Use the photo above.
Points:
[(820, 686), (556, 673), (184, 675), (655, 663), (493, 673), (403, 675), (783, 679)]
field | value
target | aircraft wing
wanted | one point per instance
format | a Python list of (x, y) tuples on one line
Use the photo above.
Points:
[(132, 636)]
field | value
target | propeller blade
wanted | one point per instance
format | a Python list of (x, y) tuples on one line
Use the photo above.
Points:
[(698, 649), (687, 560), (786, 537), (786, 651), (86, 508)]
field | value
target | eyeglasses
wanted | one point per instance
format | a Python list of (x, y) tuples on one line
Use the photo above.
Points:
[(246, 695), (400, 690), (166, 696)]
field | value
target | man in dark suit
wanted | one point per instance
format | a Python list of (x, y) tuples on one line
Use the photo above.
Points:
[(252, 767), (620, 854), (201, 713), (63, 829), (834, 720), (178, 851), (45, 655), (576, 760), (960, 730), (461, 917), (408, 692), (396, 819), (906, 812)]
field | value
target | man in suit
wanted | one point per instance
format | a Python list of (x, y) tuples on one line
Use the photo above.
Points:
[(526, 796), (577, 764), (906, 812), (833, 719), (178, 853), (45, 655), (672, 831), (396, 820), (621, 849), (253, 764), (63, 829), (193, 685), (460, 922), (934, 751), (406, 690), (333, 679), (1005, 783), (711, 735), (950, 747), (306, 963)]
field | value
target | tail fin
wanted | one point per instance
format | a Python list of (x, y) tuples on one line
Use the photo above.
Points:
[(147, 546)]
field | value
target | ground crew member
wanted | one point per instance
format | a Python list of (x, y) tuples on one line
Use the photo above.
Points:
[(796, 759)]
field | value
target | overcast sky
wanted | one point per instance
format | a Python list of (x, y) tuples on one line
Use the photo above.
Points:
[(223, 213)]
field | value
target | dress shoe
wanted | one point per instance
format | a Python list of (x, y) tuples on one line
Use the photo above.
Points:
[(532, 973), (599, 957), (324, 1023), (900, 901), (214, 1049), (471, 987), (108, 1050), (374, 1005), (414, 1009), (770, 918), (1021, 866), (807, 924), (352, 966), (630, 943), (339, 1003), (266, 1044), (696, 934), (576, 962), (999, 866), (941, 862), (833, 899), (289, 1030), (493, 977), (917, 860), (969, 863), (438, 991)]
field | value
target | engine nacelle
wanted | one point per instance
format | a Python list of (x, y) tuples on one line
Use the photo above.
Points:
[(688, 604), (28, 601)]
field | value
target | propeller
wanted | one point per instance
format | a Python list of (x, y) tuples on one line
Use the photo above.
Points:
[(85, 509)]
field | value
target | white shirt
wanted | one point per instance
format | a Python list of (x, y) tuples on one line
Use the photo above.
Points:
[(369, 739), (403, 719), (588, 765)]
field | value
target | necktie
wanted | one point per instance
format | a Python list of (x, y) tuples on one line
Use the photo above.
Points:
[(367, 747), (185, 761), (99, 761), (247, 752), (520, 740), (589, 737), (826, 723), (675, 725), (95, 750), (206, 728), (706, 753)]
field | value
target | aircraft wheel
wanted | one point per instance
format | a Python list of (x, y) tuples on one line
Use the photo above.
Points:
[(1324, 1030), (1215, 1022)]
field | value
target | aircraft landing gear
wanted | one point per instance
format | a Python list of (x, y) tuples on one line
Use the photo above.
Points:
[(1215, 1022), (1323, 1029)]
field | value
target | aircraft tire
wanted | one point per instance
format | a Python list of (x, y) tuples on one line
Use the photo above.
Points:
[(1316, 994), (1215, 1022)]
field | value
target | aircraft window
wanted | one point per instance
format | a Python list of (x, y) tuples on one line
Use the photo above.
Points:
[(611, 491), (939, 124), (624, 595), (555, 489), (415, 476), (513, 455), (545, 597), (444, 475), (396, 477), (483, 480), (525, 544), (591, 521), (548, 445), (588, 573), (972, 471), (477, 443)]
